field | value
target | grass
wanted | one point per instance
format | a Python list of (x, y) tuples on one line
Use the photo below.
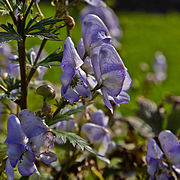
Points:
[(143, 35)]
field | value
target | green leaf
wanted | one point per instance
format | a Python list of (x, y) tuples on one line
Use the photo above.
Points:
[(74, 140), (12, 96), (10, 33), (41, 24)]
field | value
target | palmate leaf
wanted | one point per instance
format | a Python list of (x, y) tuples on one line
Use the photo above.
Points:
[(44, 35), (74, 140), (12, 96), (10, 33)]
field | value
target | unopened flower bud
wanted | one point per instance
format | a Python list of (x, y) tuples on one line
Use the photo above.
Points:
[(46, 91), (69, 22)]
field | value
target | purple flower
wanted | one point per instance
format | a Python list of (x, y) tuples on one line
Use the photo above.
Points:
[(109, 18), (96, 2), (97, 132), (158, 169), (160, 67), (111, 75), (94, 32), (73, 79), (27, 138)]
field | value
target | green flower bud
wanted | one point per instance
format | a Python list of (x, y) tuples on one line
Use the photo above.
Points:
[(46, 91)]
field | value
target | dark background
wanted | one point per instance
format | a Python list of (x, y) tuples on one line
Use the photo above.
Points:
[(148, 5)]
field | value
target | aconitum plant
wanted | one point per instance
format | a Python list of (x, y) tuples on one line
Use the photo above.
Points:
[(71, 128)]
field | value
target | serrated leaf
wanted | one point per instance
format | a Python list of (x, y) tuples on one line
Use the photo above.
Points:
[(13, 96), (74, 140), (61, 118)]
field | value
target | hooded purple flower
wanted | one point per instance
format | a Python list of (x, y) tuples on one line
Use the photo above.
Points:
[(97, 132), (27, 138), (158, 169), (111, 75), (109, 18), (73, 79), (94, 32)]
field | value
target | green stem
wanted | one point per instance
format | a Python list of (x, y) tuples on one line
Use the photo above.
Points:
[(4, 89)]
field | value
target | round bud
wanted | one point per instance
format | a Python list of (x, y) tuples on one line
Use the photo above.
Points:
[(69, 22), (46, 91)]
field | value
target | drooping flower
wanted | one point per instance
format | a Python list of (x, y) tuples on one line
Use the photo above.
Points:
[(27, 137), (158, 168), (107, 15), (111, 75), (97, 132), (73, 79), (94, 32)]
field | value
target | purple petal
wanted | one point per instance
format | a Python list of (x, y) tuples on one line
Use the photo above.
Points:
[(94, 32), (70, 95), (127, 82), (14, 153), (80, 48), (32, 125), (42, 143), (153, 150), (174, 156), (69, 125), (15, 134), (26, 165), (106, 100), (67, 77), (96, 2), (48, 157), (99, 118), (95, 133), (168, 141), (70, 55), (9, 170), (123, 97), (87, 66), (112, 69)]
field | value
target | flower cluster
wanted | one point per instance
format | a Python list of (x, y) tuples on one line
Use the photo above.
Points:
[(165, 158), (95, 65), (28, 137)]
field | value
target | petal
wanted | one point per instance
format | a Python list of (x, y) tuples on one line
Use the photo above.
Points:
[(9, 170), (69, 125), (94, 32), (80, 48), (112, 69), (70, 55), (48, 157), (99, 118), (174, 156), (42, 143), (32, 125), (15, 134), (106, 100), (127, 82), (66, 77), (168, 141), (95, 133), (123, 97), (153, 150), (96, 2), (26, 165), (70, 95), (14, 153)]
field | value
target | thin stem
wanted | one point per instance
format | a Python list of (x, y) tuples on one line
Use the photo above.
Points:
[(38, 8), (33, 70), (28, 10), (4, 89), (11, 12)]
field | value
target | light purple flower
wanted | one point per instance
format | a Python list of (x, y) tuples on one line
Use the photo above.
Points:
[(67, 125), (73, 79), (109, 18), (111, 74), (95, 2), (158, 168), (27, 138), (94, 32), (97, 132), (160, 67)]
